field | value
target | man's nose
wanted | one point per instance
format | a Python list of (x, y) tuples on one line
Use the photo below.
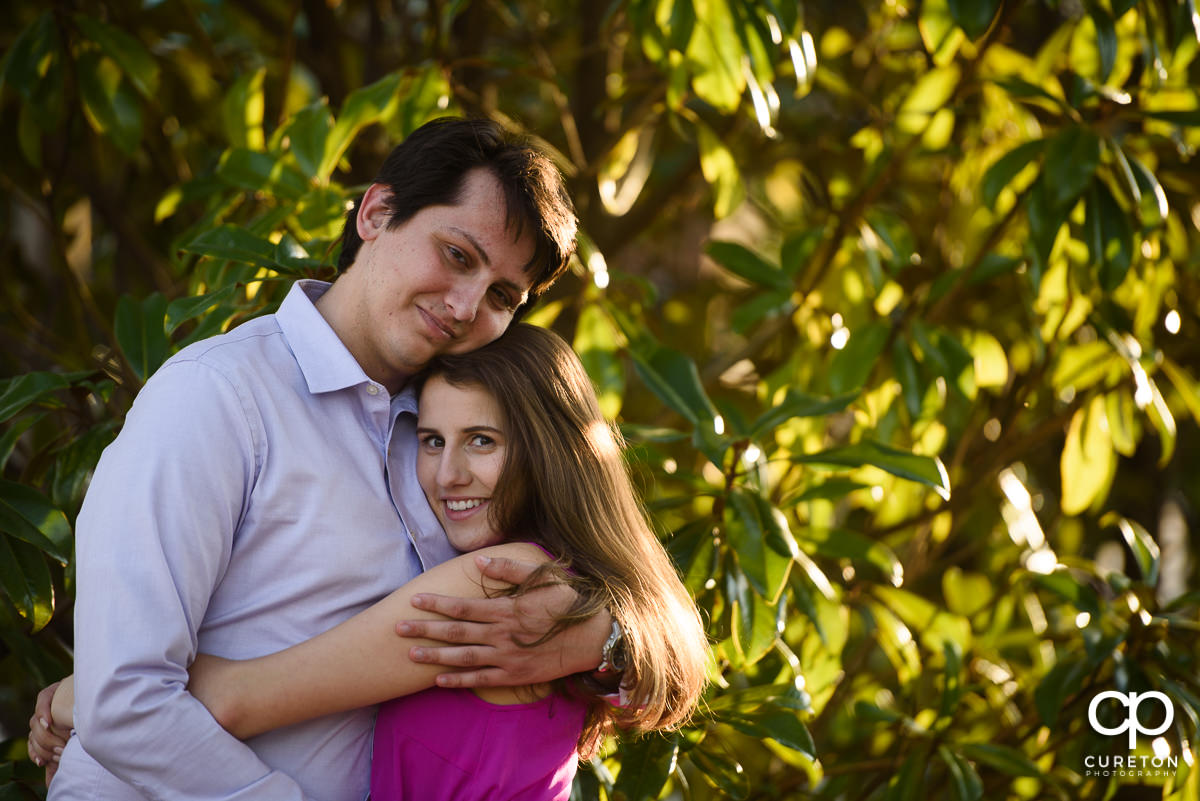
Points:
[(463, 300)]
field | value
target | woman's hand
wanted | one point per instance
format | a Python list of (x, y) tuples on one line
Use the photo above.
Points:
[(485, 633), (47, 735)]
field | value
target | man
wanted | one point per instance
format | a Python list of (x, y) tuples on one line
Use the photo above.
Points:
[(263, 487)]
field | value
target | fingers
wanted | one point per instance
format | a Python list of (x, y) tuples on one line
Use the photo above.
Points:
[(450, 631), (45, 744), (470, 656), (490, 677), (481, 610), (511, 571)]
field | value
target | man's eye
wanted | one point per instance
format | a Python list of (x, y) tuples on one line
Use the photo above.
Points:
[(503, 299)]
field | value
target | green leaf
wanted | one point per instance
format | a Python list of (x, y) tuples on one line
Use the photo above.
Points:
[(1002, 758), (764, 521), (692, 549), (1152, 200), (1143, 547), (308, 134), (108, 104), (1088, 462), (927, 470), (364, 106), (258, 172), (1060, 683), (907, 784), (1187, 119), (128, 53), (141, 333), (862, 551), (646, 764), (797, 404), (935, 626), (1110, 236), (1045, 221), (596, 343), (783, 726), (912, 389), (674, 378), (973, 16), (235, 244), (747, 264), (765, 568), (242, 111), (798, 249), (1001, 174), (28, 516), (832, 489), (1065, 585), (722, 772), (180, 310), (26, 580), (765, 306), (716, 55), (1071, 160), (965, 781), (23, 391), (1106, 41), (756, 626), (852, 364), (720, 170)]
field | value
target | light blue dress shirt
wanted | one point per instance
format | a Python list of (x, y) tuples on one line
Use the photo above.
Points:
[(263, 490)]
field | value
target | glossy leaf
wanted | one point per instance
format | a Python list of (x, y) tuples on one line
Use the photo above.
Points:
[(963, 779), (26, 580), (1071, 160), (859, 549), (797, 404), (852, 365), (308, 135), (764, 567), (973, 16), (914, 467), (27, 515), (674, 378), (645, 767), (747, 264), (1106, 41), (1001, 174), (363, 106), (1067, 586), (715, 49), (182, 310), (1088, 460), (141, 332), (724, 773), (242, 111), (1110, 237), (1060, 683), (20, 392)]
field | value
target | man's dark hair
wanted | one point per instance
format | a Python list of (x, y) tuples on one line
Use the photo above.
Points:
[(429, 167)]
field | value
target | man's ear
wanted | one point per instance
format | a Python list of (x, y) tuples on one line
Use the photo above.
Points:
[(373, 212)]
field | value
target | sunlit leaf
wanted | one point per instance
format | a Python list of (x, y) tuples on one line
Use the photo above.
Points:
[(720, 170), (1001, 174), (861, 550), (914, 467), (717, 54), (1088, 461), (308, 133), (29, 516), (1110, 237), (764, 567), (646, 764), (797, 404), (242, 111), (1143, 547), (747, 264), (596, 344), (1064, 584), (963, 778), (1002, 758), (363, 106), (26, 580), (852, 365)]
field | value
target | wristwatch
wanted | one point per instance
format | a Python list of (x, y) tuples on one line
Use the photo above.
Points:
[(612, 656)]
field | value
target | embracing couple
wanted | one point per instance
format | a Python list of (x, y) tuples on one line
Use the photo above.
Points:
[(386, 480)]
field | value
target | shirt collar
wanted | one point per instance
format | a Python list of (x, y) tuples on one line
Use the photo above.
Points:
[(324, 360)]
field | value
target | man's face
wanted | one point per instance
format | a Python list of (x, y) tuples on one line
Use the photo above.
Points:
[(446, 281)]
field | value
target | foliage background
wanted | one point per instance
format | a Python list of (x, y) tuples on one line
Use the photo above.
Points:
[(896, 303)]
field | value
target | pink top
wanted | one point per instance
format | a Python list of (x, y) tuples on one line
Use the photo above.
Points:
[(451, 745)]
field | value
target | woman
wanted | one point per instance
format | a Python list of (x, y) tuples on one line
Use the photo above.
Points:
[(516, 461)]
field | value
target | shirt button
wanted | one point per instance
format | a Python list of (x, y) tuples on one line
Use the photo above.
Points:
[(372, 389)]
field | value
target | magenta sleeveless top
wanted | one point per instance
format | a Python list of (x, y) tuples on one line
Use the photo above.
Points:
[(451, 745)]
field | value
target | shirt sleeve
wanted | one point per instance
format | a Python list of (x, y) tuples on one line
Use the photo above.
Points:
[(153, 539)]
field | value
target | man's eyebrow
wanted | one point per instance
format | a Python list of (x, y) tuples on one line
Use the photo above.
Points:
[(474, 243)]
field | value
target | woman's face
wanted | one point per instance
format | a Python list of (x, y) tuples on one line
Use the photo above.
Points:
[(460, 454)]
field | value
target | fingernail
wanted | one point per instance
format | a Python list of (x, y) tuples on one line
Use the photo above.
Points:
[(45, 725), (418, 600), (483, 561), (57, 752), (417, 654), (37, 761), (404, 628)]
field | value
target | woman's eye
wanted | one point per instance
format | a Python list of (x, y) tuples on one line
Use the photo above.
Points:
[(482, 441), (432, 441), (456, 254)]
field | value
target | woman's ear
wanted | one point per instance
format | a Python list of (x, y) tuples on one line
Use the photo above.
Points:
[(373, 212)]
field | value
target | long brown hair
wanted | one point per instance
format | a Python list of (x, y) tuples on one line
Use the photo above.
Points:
[(565, 485)]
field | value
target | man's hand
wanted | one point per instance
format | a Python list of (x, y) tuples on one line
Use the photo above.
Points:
[(46, 741), (484, 633)]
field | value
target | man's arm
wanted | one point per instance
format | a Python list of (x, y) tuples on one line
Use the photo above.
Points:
[(357, 663), (481, 633), (153, 539)]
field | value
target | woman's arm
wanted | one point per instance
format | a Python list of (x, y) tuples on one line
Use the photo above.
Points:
[(358, 663)]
